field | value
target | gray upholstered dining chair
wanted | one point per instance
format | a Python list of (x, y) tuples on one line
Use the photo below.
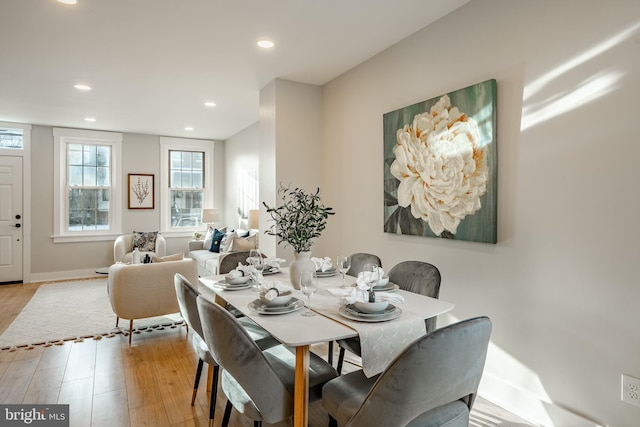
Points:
[(432, 383), (359, 259), (414, 276), (187, 295), (258, 384)]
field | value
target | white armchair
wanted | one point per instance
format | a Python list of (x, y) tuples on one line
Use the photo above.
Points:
[(137, 291), (123, 248)]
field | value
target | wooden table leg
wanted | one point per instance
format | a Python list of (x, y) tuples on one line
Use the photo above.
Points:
[(301, 388)]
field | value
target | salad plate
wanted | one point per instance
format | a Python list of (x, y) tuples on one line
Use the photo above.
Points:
[(327, 273), (389, 287), (258, 306), (350, 312), (227, 287)]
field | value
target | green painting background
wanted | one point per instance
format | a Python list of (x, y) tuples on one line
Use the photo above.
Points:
[(479, 102)]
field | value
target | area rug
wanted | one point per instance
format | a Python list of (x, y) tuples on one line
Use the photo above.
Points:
[(72, 311)]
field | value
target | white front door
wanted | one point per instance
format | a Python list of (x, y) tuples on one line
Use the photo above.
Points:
[(11, 219)]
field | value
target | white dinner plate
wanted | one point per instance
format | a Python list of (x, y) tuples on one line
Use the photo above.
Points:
[(226, 287), (369, 317), (258, 307)]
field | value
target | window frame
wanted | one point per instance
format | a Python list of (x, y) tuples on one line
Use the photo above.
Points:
[(168, 144), (63, 137)]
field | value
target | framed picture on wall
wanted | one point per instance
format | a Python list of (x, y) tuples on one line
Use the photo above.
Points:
[(141, 191)]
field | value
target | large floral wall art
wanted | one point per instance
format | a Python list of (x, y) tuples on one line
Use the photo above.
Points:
[(440, 166)]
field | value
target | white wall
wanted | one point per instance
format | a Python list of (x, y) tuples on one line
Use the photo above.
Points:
[(241, 153), (561, 285)]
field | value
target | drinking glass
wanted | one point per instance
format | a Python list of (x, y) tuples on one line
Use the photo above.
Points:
[(257, 265), (371, 275), (308, 286), (344, 264)]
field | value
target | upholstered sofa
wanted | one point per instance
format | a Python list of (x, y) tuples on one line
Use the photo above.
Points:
[(138, 291), (209, 257)]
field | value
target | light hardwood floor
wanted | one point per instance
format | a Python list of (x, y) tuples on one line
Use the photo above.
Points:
[(109, 383)]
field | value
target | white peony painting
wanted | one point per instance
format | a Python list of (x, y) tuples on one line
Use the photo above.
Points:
[(440, 166)]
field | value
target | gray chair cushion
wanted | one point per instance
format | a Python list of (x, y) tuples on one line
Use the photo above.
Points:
[(259, 385), (359, 259), (442, 367)]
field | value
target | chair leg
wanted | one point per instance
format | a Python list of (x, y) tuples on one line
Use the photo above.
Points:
[(197, 381), (117, 321), (332, 422), (227, 414), (330, 353), (257, 424), (214, 395), (130, 330), (340, 361)]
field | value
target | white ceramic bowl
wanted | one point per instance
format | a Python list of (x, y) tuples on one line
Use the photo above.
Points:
[(237, 280), (371, 307), (382, 282), (280, 300)]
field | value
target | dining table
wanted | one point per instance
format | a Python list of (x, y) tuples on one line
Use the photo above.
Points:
[(381, 341)]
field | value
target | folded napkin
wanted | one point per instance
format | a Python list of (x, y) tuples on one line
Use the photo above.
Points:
[(239, 271), (362, 283), (322, 264), (358, 295), (273, 262), (273, 289)]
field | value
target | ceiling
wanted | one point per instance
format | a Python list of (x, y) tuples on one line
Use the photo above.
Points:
[(153, 63)]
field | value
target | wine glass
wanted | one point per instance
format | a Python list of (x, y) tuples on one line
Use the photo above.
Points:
[(257, 265), (344, 264), (371, 276), (308, 286)]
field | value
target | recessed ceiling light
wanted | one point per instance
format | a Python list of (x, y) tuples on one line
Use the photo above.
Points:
[(210, 104), (82, 87), (89, 119), (189, 128), (266, 44), (68, 1)]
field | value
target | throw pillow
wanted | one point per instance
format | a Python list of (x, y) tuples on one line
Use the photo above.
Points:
[(206, 244), (241, 244), (145, 241), (227, 240), (216, 241), (175, 257)]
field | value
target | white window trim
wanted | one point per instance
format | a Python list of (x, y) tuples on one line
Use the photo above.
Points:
[(183, 144), (61, 137)]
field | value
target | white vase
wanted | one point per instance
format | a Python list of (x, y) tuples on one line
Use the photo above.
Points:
[(301, 262)]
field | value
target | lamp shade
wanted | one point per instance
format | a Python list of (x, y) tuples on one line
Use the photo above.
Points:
[(210, 215), (253, 222)]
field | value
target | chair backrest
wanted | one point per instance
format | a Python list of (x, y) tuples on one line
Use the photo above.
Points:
[(439, 368), (359, 259), (233, 349), (230, 261), (187, 295), (418, 277)]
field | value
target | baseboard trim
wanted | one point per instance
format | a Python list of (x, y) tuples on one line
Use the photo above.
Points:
[(53, 276)]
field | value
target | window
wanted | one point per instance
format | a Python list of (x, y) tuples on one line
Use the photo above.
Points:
[(11, 138), (186, 183), (247, 192), (87, 199)]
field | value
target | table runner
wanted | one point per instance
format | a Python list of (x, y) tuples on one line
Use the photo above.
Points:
[(380, 342)]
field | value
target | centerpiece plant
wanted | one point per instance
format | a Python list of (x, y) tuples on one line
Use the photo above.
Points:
[(300, 217)]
